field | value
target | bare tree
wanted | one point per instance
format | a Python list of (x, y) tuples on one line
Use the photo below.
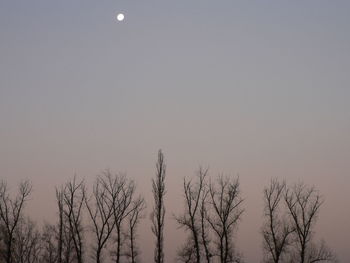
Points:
[(101, 213), (64, 235), (276, 230), (225, 201), (158, 213), (27, 246), (122, 193), (11, 213), (191, 218), (303, 204), (138, 206), (73, 201), (59, 198)]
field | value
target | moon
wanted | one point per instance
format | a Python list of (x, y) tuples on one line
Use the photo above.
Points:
[(120, 17)]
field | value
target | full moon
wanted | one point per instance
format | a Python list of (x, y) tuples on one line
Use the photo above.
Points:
[(120, 17)]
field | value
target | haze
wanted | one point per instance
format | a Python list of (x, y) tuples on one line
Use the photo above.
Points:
[(255, 88)]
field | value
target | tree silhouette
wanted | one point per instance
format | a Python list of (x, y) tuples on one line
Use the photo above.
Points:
[(225, 211), (191, 219), (11, 213), (61, 225), (158, 213), (100, 210), (73, 201), (64, 235), (122, 192), (204, 223), (303, 204), (277, 230), (138, 206), (212, 211)]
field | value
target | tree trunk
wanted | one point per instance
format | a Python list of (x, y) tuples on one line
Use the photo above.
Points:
[(133, 257), (196, 244), (118, 244), (98, 255), (221, 250), (9, 251)]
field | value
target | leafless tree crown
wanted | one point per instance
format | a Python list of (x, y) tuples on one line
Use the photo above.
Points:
[(193, 219), (100, 207), (303, 205), (158, 213), (225, 204), (277, 230)]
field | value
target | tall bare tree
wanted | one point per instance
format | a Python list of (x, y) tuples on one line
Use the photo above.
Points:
[(64, 235), (225, 201), (60, 241), (11, 213), (73, 201), (100, 209), (122, 193), (277, 231), (205, 236), (158, 213), (138, 206), (303, 204), (194, 193)]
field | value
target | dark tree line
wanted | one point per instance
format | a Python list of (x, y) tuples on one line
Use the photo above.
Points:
[(101, 224)]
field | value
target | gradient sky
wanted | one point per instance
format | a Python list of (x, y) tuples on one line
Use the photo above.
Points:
[(259, 88)]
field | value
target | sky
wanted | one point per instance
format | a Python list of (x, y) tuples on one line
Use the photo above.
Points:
[(255, 88)]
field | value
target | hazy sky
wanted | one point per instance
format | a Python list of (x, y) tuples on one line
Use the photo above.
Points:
[(259, 88)]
